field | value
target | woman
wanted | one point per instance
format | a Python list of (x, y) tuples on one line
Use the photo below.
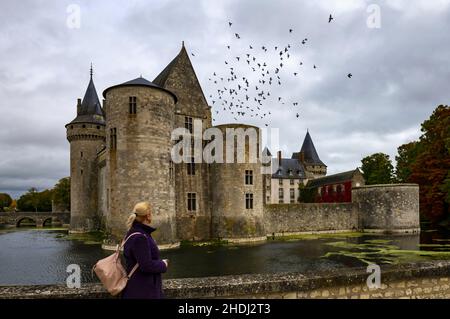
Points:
[(146, 282)]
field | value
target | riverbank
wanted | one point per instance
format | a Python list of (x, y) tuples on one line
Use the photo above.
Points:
[(413, 280)]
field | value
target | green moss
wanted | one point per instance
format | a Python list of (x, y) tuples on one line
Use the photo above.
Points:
[(378, 241), (434, 245), (215, 242), (316, 236), (91, 238), (374, 251)]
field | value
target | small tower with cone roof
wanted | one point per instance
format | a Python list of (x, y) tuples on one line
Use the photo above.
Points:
[(314, 167), (86, 135)]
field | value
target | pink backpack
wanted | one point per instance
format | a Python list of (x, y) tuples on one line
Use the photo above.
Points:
[(112, 273)]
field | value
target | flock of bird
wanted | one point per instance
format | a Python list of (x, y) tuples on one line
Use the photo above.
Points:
[(252, 84)]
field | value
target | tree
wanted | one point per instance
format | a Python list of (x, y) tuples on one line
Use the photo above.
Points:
[(61, 193), (407, 155), (36, 201), (377, 169), (431, 169), (5, 201)]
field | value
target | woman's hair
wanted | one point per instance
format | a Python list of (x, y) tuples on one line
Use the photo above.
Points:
[(139, 211)]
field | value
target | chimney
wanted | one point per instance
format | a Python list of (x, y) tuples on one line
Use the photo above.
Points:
[(279, 158), (78, 106), (302, 157)]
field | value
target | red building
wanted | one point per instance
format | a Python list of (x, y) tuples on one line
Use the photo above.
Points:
[(336, 188)]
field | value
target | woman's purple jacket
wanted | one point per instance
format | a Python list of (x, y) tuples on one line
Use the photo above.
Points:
[(146, 282)]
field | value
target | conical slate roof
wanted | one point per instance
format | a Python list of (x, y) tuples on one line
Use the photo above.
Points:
[(90, 110), (140, 81), (181, 71), (309, 151)]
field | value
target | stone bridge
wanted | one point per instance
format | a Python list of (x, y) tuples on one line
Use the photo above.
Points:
[(41, 219)]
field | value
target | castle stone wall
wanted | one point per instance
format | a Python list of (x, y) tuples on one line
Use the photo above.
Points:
[(388, 208), (304, 217), (138, 169), (231, 219)]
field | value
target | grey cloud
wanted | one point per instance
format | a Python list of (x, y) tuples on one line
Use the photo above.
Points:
[(400, 70)]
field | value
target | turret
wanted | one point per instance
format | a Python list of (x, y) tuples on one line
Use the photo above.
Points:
[(86, 135), (314, 167)]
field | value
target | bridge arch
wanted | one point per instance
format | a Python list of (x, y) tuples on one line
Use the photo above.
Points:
[(25, 218), (47, 222)]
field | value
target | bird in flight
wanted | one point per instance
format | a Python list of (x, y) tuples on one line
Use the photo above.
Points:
[(230, 23), (349, 75), (330, 18), (192, 54), (290, 30), (237, 36)]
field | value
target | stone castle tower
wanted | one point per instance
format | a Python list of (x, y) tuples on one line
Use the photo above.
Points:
[(86, 135), (193, 223), (121, 154)]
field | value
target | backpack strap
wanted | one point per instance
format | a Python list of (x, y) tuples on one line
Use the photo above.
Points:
[(126, 239), (132, 271), (122, 245)]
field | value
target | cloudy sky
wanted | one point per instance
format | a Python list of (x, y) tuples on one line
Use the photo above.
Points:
[(400, 65)]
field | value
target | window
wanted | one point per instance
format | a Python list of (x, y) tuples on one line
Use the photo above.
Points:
[(292, 195), (132, 104), (191, 201), (268, 199), (249, 201), (113, 139), (191, 167), (280, 182), (81, 154), (280, 193), (291, 182), (170, 170), (248, 177), (188, 123)]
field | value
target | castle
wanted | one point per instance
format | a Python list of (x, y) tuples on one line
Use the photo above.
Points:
[(120, 154)]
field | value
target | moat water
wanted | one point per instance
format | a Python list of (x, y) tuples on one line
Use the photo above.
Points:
[(40, 256)]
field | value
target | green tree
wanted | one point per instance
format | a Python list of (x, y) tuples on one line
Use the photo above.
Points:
[(431, 169), (307, 194), (407, 155), (61, 193), (36, 201), (377, 169), (5, 201)]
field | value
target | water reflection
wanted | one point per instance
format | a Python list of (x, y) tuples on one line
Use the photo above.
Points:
[(40, 256)]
